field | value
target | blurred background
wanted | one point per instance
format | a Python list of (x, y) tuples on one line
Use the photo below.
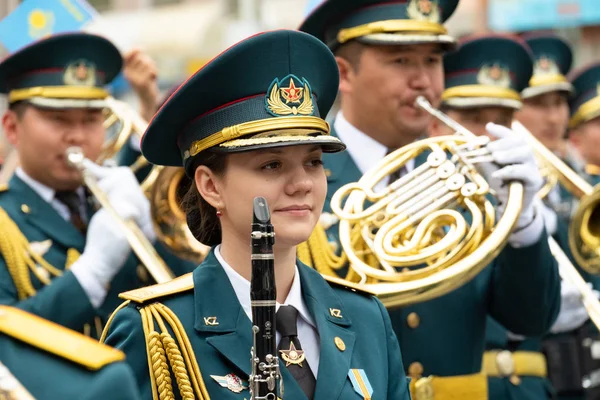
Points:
[(181, 35)]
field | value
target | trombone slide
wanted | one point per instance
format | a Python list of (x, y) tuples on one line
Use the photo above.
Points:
[(140, 245), (569, 273)]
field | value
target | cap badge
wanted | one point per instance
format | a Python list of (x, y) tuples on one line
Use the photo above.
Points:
[(494, 75), (545, 66), (293, 99), (80, 73), (423, 10)]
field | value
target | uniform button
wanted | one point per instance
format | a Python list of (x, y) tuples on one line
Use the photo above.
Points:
[(413, 320), (25, 208), (415, 370), (515, 380)]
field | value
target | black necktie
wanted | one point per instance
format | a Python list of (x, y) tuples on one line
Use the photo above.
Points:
[(397, 174), (73, 202), (290, 350)]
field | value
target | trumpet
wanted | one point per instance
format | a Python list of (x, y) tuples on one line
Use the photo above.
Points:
[(140, 245)]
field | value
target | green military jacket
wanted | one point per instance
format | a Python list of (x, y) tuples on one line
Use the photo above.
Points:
[(51, 362), (354, 330), (59, 243), (497, 335), (446, 336)]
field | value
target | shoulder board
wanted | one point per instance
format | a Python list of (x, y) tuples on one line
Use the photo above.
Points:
[(351, 286), (56, 339), (177, 285), (3, 187)]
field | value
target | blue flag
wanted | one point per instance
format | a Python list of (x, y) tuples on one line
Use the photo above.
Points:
[(36, 19)]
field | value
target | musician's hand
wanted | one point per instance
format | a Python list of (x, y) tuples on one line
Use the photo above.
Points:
[(141, 73), (515, 161), (106, 250), (550, 217), (120, 185), (572, 311)]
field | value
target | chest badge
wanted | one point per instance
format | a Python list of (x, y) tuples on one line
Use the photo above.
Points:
[(231, 382), (361, 383), (292, 355)]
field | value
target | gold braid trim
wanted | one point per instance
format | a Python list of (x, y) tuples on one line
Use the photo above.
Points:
[(21, 259), (72, 256), (110, 320), (318, 254), (11, 247), (161, 346), (187, 351), (162, 389), (175, 358)]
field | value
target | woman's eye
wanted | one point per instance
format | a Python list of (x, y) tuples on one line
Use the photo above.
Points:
[(272, 165), (317, 162)]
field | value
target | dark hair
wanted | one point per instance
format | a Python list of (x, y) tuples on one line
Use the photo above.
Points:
[(202, 217), (351, 52), (19, 108)]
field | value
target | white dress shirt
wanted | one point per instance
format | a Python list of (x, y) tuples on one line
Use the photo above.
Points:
[(365, 151), (48, 195), (307, 331)]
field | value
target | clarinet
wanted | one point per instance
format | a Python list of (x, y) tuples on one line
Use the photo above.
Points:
[(265, 377)]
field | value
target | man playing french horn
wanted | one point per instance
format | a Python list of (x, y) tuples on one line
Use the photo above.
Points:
[(515, 364), (60, 259), (389, 54)]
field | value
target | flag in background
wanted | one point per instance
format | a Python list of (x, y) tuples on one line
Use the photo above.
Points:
[(311, 5), (36, 19)]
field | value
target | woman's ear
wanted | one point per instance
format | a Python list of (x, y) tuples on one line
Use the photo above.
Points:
[(208, 186)]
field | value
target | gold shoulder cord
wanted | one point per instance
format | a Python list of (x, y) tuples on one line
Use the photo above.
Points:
[(318, 254), (160, 347), (20, 259)]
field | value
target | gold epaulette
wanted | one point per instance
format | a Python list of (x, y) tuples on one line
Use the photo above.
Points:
[(56, 339), (177, 285), (3, 187)]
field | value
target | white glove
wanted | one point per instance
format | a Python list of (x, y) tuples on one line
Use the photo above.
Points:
[(572, 313), (550, 217), (121, 186), (106, 250), (514, 161)]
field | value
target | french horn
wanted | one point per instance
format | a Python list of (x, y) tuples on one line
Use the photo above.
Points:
[(423, 235)]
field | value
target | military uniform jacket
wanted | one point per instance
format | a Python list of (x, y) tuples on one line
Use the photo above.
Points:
[(53, 363), (354, 330), (446, 336), (62, 300)]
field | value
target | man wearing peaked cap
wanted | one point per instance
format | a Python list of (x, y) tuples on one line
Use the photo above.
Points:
[(484, 80), (60, 259), (545, 111), (264, 136), (546, 114), (389, 53), (584, 123)]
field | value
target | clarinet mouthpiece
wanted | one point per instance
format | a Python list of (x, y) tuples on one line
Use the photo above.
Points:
[(261, 212)]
